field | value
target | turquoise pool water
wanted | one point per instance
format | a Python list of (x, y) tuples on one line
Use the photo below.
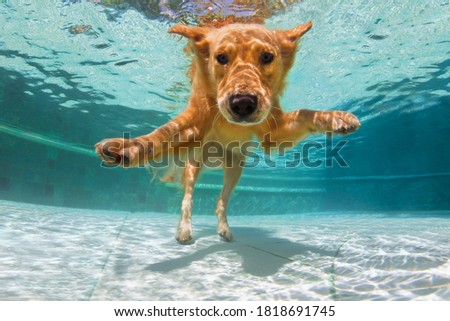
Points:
[(377, 229)]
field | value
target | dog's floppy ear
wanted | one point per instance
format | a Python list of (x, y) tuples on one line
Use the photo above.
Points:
[(288, 38), (196, 34), (295, 33)]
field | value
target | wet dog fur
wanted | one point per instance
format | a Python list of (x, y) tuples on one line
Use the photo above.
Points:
[(238, 75)]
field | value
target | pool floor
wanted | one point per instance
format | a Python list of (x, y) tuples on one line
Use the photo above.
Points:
[(54, 253)]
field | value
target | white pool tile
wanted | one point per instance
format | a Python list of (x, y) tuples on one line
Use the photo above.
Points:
[(49, 253)]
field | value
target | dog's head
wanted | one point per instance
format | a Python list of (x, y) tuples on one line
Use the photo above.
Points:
[(243, 65)]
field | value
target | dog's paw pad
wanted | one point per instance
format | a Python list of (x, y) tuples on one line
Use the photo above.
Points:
[(109, 151), (339, 122), (345, 123), (118, 151)]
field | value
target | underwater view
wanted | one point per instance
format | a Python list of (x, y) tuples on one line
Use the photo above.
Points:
[(368, 222)]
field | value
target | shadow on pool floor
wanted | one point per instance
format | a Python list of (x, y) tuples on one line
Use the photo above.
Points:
[(49, 253)]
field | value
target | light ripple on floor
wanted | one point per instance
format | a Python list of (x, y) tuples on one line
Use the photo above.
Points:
[(49, 253)]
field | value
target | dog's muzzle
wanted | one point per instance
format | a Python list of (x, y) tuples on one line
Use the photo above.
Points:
[(243, 105)]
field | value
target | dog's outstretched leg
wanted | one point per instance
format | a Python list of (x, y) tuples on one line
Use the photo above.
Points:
[(293, 127), (336, 121), (191, 172), (162, 142), (232, 172)]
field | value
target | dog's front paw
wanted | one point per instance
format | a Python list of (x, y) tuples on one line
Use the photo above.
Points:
[(120, 152), (339, 122)]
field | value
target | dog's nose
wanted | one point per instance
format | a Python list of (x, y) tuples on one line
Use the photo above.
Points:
[(243, 105)]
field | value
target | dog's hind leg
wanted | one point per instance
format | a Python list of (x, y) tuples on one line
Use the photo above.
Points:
[(232, 173), (191, 172)]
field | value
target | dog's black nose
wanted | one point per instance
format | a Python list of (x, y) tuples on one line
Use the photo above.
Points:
[(243, 105)]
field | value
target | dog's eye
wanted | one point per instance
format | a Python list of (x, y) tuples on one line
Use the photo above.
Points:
[(266, 58), (222, 59)]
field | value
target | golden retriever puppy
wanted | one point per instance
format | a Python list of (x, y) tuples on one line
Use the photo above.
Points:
[(238, 74)]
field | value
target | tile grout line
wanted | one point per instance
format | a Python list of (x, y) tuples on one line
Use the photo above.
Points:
[(91, 293), (332, 277), (271, 253)]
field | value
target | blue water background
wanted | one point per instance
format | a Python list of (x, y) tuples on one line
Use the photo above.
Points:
[(60, 93)]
